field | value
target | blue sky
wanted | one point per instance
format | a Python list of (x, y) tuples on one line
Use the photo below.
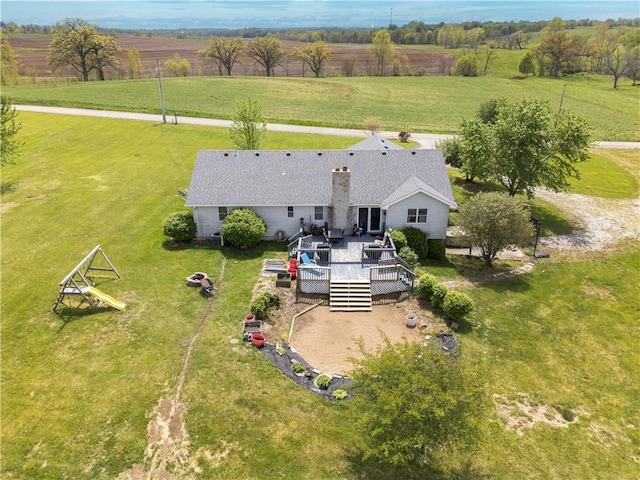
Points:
[(304, 13)]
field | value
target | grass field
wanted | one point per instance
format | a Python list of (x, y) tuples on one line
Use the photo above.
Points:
[(435, 104), (78, 390)]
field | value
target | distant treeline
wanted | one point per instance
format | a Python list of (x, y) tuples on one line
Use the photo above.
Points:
[(413, 33)]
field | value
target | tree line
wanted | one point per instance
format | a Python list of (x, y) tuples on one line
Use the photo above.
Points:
[(612, 50)]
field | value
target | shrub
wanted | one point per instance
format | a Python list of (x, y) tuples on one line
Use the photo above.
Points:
[(399, 239), (180, 226), (438, 295), (451, 151), (297, 367), (339, 394), (417, 241), (456, 305), (243, 228), (437, 250), (323, 381), (426, 283), (262, 305), (409, 256)]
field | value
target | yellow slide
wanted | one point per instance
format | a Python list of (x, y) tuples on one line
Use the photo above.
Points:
[(104, 298)]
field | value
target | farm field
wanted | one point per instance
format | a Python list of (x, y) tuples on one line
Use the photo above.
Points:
[(558, 344), (425, 102)]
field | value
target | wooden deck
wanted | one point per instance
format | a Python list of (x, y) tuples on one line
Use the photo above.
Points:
[(346, 258)]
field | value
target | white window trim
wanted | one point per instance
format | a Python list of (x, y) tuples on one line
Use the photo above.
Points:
[(417, 215)]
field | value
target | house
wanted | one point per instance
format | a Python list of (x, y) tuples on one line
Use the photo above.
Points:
[(369, 189)]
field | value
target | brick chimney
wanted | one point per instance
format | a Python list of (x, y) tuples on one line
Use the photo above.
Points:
[(341, 212)]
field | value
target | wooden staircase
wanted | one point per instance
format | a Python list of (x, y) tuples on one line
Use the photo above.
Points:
[(350, 296)]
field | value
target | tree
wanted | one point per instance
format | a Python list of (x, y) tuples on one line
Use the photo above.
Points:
[(493, 222), (223, 52), (526, 66), (135, 65), (77, 44), (267, 51), (448, 36), (382, 49), (9, 61), (249, 130), (243, 228), (9, 145), (527, 146), (178, 67), (415, 406), (315, 55), (467, 65), (562, 52)]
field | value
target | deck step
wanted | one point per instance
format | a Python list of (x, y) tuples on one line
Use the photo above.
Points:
[(350, 296)]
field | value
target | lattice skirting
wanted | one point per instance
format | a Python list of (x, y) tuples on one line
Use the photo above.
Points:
[(384, 288), (313, 287)]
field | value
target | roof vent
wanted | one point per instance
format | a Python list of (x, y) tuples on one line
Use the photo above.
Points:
[(226, 154), (413, 152), (344, 169), (319, 154), (288, 154), (337, 169), (257, 154), (384, 153), (351, 154)]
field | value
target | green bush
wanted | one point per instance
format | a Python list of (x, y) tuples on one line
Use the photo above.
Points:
[(409, 256), (323, 381), (262, 305), (426, 283), (180, 226), (456, 305), (339, 394), (438, 295), (437, 250), (297, 367), (243, 228), (451, 151), (417, 241), (399, 240)]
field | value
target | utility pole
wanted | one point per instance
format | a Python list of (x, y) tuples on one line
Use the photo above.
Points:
[(391, 18), (164, 115), (564, 89)]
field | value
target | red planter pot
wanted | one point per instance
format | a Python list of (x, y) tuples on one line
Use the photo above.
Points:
[(250, 317), (257, 339)]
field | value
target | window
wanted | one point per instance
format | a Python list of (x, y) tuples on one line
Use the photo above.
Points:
[(417, 215), (289, 212), (223, 212), (318, 213)]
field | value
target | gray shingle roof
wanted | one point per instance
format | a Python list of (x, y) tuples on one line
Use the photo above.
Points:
[(375, 142), (303, 177)]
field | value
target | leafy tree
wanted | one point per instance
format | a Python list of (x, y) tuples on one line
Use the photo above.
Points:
[(9, 145), (562, 52), (243, 228), (451, 151), (415, 406), (267, 51), (9, 62), (493, 222), (77, 44), (315, 55), (467, 65), (178, 67), (223, 52), (180, 226), (248, 130), (448, 36), (526, 65), (382, 49), (527, 146), (135, 65)]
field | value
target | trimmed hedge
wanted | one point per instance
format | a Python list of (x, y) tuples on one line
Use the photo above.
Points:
[(457, 305), (409, 256), (438, 295), (243, 228), (180, 226), (417, 241), (437, 249), (426, 283)]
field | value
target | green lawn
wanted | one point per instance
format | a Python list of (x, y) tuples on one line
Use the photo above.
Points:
[(421, 104), (78, 390)]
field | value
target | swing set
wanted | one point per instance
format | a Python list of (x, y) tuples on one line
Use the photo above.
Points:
[(79, 283)]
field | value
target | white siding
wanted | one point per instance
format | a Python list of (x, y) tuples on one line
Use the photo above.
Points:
[(437, 215), (208, 221)]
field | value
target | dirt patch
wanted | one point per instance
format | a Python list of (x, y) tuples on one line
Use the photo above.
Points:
[(524, 413), (601, 221), (8, 206)]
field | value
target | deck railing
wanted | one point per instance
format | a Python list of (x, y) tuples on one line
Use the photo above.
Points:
[(390, 279), (314, 279)]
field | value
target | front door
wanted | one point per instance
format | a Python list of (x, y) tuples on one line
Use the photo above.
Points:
[(369, 219)]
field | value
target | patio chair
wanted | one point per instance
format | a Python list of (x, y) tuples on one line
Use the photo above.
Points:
[(304, 258)]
